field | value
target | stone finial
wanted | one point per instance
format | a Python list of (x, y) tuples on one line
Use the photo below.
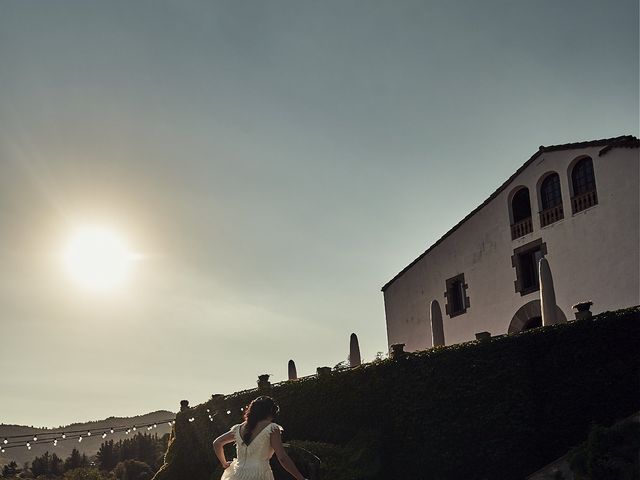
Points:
[(184, 405), (483, 336), (354, 351), (437, 328), (263, 382), (583, 310), (216, 397), (293, 373), (323, 371), (396, 351)]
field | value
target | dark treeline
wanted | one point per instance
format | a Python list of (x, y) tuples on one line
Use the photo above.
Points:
[(136, 457)]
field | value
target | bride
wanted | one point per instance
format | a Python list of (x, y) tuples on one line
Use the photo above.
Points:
[(256, 439)]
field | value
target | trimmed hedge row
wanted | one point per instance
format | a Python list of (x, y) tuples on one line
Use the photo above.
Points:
[(497, 409)]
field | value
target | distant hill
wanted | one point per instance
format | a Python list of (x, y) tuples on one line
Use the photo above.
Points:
[(88, 446)]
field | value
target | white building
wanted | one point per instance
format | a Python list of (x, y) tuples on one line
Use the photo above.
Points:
[(576, 204)]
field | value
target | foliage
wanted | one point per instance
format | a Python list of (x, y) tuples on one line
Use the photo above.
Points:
[(10, 469), (608, 453), (145, 448), (75, 460), (133, 470), (85, 473), (480, 410)]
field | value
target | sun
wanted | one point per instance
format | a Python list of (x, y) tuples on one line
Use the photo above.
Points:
[(97, 258)]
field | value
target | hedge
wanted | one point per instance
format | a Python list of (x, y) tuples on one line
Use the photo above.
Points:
[(495, 409)]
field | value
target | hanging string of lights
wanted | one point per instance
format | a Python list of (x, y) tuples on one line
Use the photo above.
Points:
[(46, 438), (52, 438)]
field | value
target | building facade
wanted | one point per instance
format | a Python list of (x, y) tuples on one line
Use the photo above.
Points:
[(576, 204)]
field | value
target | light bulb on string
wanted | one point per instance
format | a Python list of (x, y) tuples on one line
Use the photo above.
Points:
[(134, 428), (5, 441), (79, 438), (111, 430), (64, 435), (55, 442), (28, 444), (35, 438), (104, 435), (88, 434), (2, 450), (228, 412), (155, 425)]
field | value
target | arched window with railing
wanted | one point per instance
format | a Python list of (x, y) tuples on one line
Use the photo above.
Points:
[(583, 184), (550, 197), (520, 213)]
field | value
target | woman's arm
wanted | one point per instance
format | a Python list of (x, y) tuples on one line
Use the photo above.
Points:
[(285, 460), (218, 445)]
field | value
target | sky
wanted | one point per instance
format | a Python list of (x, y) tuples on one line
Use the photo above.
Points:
[(272, 164)]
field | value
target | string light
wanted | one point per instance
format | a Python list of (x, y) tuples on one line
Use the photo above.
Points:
[(228, 412), (53, 437)]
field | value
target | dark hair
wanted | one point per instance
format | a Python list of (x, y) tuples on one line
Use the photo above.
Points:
[(259, 409)]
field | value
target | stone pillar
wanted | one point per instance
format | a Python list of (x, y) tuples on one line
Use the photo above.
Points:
[(263, 382), (583, 310), (547, 294), (397, 351), (437, 328), (323, 371), (293, 373), (354, 351), (184, 405), (483, 336)]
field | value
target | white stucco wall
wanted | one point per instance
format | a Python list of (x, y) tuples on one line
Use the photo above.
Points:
[(594, 255)]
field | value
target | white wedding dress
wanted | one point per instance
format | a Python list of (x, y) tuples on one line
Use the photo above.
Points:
[(252, 461)]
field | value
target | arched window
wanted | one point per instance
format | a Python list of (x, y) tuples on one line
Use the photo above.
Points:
[(550, 200), (583, 182), (521, 214)]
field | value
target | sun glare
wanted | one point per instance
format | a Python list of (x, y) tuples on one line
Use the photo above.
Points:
[(97, 258)]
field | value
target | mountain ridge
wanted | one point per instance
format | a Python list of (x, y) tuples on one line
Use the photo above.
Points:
[(89, 445)]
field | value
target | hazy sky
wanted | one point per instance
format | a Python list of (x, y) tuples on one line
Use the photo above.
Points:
[(276, 162)]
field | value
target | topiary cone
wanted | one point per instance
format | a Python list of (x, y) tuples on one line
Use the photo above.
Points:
[(354, 351), (293, 374)]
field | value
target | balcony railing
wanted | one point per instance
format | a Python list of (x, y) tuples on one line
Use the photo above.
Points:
[(521, 228), (551, 215), (584, 201)]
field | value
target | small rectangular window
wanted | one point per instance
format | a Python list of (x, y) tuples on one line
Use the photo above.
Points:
[(525, 260), (456, 295)]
